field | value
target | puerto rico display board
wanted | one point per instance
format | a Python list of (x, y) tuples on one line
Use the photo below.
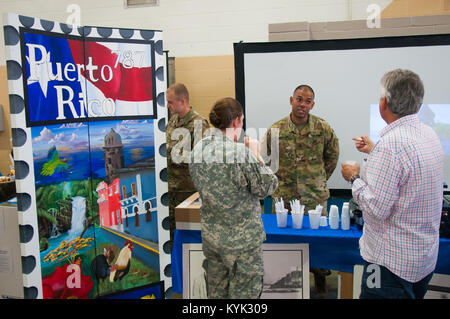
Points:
[(88, 123)]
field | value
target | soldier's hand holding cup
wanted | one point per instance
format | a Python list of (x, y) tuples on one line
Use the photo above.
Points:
[(252, 145)]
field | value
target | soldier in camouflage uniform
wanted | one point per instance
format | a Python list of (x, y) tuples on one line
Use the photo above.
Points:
[(185, 127), (230, 180), (307, 155)]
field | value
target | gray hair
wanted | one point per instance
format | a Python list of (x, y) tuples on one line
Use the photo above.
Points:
[(403, 90)]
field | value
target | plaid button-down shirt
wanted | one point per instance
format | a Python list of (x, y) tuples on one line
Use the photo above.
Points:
[(400, 193)]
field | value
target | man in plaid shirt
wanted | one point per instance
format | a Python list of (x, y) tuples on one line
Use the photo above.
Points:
[(400, 194)]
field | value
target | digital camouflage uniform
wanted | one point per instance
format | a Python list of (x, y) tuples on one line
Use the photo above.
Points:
[(179, 182), (230, 181), (307, 158)]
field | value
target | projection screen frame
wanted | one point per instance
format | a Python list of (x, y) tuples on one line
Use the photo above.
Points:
[(242, 48)]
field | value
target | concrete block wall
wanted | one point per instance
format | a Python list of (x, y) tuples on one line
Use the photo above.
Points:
[(388, 27), (193, 27)]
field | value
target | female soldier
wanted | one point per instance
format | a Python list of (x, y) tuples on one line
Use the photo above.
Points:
[(231, 178)]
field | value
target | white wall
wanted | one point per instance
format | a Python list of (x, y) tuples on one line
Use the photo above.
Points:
[(195, 27)]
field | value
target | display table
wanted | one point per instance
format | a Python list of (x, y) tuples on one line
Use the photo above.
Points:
[(328, 248)]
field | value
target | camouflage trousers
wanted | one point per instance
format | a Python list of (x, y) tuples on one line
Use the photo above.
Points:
[(233, 276), (175, 199)]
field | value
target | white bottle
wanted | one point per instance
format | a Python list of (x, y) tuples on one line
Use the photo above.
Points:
[(334, 217), (345, 217)]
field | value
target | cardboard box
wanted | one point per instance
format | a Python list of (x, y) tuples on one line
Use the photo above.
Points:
[(187, 214)]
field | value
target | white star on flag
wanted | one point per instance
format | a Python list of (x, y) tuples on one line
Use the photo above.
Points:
[(42, 72)]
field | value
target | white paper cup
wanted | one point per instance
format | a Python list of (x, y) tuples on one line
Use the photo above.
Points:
[(282, 218), (333, 217), (323, 221), (297, 220), (314, 218)]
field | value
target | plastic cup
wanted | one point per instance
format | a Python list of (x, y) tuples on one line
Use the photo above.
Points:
[(323, 221), (334, 217), (350, 162), (297, 220), (314, 218), (282, 218)]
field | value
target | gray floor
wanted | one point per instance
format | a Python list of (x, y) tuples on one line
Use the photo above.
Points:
[(332, 285)]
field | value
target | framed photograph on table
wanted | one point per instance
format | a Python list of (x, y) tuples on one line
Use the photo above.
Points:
[(286, 271), (194, 277)]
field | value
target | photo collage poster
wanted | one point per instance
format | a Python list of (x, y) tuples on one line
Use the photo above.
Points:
[(88, 121)]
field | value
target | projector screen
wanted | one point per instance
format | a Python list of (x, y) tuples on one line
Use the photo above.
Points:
[(345, 76)]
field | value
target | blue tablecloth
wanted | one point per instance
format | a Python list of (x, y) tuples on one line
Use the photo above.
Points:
[(328, 248)]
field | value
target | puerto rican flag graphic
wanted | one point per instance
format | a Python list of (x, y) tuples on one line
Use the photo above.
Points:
[(69, 79)]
